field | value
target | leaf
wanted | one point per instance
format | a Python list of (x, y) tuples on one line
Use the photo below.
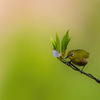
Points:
[(58, 43), (65, 42), (54, 44)]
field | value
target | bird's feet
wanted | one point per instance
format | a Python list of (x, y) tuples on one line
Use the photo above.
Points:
[(82, 70), (69, 62)]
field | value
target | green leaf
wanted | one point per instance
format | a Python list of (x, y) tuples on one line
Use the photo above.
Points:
[(65, 42), (54, 44), (58, 43)]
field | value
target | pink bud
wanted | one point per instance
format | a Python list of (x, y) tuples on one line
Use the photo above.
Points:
[(56, 53)]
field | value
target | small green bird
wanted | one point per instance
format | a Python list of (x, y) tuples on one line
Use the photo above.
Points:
[(78, 57)]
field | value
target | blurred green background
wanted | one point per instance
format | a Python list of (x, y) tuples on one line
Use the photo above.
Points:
[(28, 69)]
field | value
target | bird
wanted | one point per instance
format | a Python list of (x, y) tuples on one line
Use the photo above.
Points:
[(78, 57)]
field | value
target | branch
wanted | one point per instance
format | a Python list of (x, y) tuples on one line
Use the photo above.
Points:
[(77, 69)]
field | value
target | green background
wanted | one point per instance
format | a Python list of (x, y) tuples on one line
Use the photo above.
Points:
[(28, 69)]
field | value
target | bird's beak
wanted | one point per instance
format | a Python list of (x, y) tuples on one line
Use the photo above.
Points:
[(67, 57)]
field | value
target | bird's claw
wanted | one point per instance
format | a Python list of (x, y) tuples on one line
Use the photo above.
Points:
[(69, 62), (81, 71)]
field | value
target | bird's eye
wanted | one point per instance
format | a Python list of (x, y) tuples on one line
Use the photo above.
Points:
[(72, 54)]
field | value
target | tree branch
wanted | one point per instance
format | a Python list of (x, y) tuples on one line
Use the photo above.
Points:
[(77, 69)]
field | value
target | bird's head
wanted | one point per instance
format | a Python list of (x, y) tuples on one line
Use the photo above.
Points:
[(71, 54)]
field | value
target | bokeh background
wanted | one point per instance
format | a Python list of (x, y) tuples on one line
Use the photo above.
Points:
[(28, 69)]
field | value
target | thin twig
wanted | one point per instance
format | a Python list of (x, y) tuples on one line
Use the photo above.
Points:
[(77, 69)]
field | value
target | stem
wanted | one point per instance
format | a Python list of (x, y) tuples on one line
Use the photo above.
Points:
[(77, 69)]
